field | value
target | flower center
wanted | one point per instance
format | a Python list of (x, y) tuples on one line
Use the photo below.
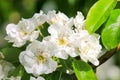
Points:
[(77, 50), (85, 51), (52, 21), (23, 33), (62, 41), (41, 58)]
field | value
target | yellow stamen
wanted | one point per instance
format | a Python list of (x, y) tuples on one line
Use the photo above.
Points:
[(62, 41), (41, 58), (86, 49), (23, 33)]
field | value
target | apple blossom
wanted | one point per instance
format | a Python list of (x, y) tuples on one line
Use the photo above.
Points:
[(59, 36), (19, 34), (37, 59), (87, 46)]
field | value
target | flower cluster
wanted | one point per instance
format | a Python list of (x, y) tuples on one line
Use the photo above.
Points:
[(67, 37)]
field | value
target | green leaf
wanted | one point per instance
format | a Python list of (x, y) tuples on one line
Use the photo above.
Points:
[(11, 54), (111, 32), (25, 76), (98, 14), (83, 71), (65, 64), (58, 75)]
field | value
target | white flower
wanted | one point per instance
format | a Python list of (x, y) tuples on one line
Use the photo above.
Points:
[(59, 36), (39, 18), (27, 27), (87, 46), (79, 21), (37, 59), (5, 67), (19, 34), (38, 78), (90, 49), (14, 35), (54, 17)]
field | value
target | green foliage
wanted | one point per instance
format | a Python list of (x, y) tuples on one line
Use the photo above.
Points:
[(111, 32), (44, 29), (11, 54), (65, 64), (83, 71), (57, 75), (25, 76), (98, 14)]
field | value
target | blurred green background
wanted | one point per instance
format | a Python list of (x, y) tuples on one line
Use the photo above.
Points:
[(11, 11)]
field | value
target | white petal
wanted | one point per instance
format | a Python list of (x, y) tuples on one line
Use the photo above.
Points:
[(79, 20), (27, 25), (34, 35), (12, 30), (71, 51), (61, 54), (51, 17), (39, 19), (18, 44), (38, 78), (52, 66), (53, 29)]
